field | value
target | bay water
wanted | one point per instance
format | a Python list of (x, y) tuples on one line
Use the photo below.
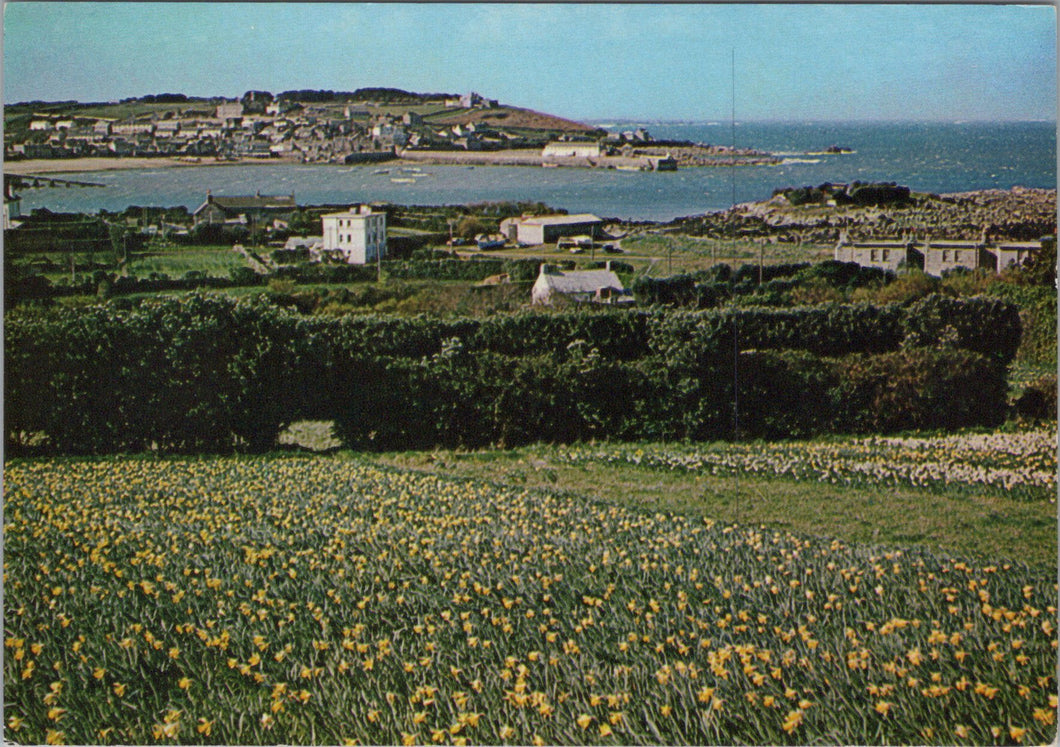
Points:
[(927, 157)]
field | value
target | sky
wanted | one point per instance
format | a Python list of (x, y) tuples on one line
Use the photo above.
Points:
[(585, 61)]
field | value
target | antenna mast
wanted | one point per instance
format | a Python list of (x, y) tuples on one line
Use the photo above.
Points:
[(735, 313)]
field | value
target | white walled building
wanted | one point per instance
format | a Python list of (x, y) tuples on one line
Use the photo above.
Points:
[(572, 150), (359, 233)]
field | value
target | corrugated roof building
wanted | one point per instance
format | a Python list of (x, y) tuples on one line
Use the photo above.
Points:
[(544, 229)]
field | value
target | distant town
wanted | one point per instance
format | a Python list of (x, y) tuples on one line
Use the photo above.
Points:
[(363, 126)]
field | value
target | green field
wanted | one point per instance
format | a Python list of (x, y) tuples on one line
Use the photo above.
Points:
[(212, 261), (332, 600)]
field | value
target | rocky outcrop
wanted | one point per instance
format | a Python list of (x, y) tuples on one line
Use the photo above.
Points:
[(1018, 214)]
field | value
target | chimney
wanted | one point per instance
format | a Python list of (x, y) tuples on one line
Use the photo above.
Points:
[(607, 265), (209, 196)]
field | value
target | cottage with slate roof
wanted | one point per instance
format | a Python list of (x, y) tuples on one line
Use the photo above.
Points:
[(580, 286), (253, 209)]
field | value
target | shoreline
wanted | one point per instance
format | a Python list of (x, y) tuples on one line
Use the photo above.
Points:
[(40, 166), (530, 158)]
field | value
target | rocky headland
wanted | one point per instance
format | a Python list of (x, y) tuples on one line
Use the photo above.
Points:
[(1017, 214)]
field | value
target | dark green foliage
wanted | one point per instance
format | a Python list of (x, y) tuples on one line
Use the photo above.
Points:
[(878, 194), (785, 394), (290, 256), (804, 195), (1038, 400), (919, 388), (987, 326), (45, 231), (209, 373), (708, 288)]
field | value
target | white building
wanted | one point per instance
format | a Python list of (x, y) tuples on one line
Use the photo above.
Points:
[(572, 150), (359, 233), (544, 229), (580, 286)]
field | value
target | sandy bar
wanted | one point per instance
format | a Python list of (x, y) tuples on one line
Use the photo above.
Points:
[(72, 165)]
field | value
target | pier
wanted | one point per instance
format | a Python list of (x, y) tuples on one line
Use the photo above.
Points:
[(31, 181)]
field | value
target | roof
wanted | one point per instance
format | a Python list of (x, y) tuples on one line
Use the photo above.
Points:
[(879, 244), (255, 201), (250, 202), (297, 242), (580, 281), (561, 220), (954, 245), (352, 213)]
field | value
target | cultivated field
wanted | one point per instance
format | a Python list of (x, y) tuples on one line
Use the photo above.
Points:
[(329, 599)]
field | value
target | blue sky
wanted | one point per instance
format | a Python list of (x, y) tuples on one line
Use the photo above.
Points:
[(583, 61)]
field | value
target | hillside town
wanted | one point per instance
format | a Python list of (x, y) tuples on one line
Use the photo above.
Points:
[(345, 130)]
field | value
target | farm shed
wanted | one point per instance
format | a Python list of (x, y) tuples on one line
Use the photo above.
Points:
[(545, 229)]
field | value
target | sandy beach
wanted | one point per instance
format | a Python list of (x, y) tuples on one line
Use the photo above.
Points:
[(77, 165)]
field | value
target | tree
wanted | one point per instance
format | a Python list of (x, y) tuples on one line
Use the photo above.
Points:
[(469, 227)]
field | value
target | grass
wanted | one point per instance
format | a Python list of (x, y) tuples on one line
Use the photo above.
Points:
[(660, 255), (963, 520), (214, 261)]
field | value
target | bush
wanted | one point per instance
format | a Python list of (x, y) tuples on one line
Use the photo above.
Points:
[(1038, 400), (918, 388)]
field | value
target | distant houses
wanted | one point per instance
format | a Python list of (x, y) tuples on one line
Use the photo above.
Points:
[(935, 257)]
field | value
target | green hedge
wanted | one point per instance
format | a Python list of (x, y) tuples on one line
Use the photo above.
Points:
[(209, 373)]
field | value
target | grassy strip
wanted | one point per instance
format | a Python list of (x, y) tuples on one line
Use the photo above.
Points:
[(963, 520)]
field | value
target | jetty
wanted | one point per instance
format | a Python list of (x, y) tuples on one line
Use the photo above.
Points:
[(33, 181)]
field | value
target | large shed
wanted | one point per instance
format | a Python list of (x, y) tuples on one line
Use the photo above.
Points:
[(544, 229)]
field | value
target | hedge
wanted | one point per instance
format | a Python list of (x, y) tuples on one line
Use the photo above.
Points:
[(206, 373)]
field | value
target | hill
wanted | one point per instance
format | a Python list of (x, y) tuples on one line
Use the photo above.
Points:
[(514, 118)]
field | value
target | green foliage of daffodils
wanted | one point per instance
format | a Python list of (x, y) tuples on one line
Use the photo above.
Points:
[(308, 601)]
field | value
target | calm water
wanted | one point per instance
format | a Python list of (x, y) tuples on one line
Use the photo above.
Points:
[(926, 157)]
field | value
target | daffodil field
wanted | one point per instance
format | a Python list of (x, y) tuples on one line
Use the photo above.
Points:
[(1022, 464), (328, 600)]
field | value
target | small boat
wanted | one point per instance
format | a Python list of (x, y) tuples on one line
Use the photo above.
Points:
[(381, 171), (402, 180)]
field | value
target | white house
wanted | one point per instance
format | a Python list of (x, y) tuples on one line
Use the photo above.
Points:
[(359, 233), (594, 286)]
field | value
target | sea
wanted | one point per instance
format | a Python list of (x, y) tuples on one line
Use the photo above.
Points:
[(927, 157)]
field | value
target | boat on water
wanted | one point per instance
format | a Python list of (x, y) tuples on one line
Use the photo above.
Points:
[(381, 171), (402, 180), (832, 150)]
